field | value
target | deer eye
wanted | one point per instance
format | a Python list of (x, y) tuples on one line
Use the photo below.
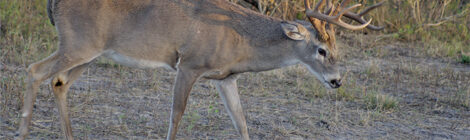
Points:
[(322, 52)]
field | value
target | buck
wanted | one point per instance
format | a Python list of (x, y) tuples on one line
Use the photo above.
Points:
[(212, 39)]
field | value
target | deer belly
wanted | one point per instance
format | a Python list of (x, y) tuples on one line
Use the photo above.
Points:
[(135, 62)]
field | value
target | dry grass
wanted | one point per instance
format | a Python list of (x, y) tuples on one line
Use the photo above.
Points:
[(409, 81)]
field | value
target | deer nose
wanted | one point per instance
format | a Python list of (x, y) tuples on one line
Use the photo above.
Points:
[(335, 83)]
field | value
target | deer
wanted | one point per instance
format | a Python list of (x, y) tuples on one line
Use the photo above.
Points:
[(211, 39)]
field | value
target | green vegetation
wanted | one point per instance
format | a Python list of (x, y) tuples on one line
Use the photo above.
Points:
[(191, 119), (465, 59), (29, 35), (380, 102)]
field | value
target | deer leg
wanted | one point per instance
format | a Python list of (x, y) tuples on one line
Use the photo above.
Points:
[(183, 85), (60, 85), (36, 74), (228, 91), (40, 71)]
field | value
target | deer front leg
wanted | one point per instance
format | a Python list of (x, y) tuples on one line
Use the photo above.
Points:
[(183, 84), (228, 90)]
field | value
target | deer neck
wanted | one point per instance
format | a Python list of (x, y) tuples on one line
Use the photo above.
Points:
[(272, 51), (269, 47), (277, 54)]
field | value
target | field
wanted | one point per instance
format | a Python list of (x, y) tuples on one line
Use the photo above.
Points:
[(409, 81)]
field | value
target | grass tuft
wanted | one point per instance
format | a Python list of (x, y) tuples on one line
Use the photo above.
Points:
[(380, 102), (465, 59)]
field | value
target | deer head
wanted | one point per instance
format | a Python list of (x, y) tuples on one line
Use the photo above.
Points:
[(322, 62)]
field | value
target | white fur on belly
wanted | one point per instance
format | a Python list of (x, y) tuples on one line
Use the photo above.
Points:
[(133, 62)]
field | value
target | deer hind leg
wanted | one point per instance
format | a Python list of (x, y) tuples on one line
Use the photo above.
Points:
[(228, 91), (60, 85), (42, 70)]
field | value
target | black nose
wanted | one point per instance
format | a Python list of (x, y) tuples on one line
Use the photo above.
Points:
[(335, 83)]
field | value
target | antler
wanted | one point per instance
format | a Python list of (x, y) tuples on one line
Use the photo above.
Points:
[(315, 13)]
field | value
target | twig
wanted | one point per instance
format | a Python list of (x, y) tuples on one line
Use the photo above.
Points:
[(275, 8), (446, 19)]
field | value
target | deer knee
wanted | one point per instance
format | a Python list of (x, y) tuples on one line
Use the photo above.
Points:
[(58, 83), (35, 73), (32, 72)]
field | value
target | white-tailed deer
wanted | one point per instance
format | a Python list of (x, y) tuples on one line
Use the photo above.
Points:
[(213, 39)]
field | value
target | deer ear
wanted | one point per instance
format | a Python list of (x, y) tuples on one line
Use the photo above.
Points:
[(294, 31)]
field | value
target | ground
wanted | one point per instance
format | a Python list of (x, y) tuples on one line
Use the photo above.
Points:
[(392, 90)]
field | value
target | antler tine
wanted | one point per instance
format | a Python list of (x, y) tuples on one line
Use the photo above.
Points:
[(362, 21), (329, 6), (342, 12), (358, 17), (368, 9), (334, 10), (307, 5), (349, 26), (318, 6)]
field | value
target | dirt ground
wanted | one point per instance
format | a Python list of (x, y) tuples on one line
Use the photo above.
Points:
[(429, 100)]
